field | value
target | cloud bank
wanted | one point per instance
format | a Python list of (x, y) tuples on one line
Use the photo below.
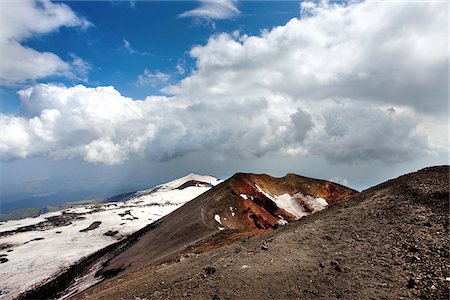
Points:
[(330, 84)]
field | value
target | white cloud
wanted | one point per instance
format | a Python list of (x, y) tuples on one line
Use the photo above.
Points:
[(131, 50), (99, 125), (127, 46), (330, 85), (149, 78), (399, 57), (23, 19), (15, 140), (80, 68), (96, 124), (180, 68), (214, 10)]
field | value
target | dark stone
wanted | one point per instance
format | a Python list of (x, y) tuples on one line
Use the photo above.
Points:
[(93, 226), (36, 239), (127, 212), (5, 246), (210, 270), (265, 246), (336, 265), (411, 283), (111, 233), (413, 249)]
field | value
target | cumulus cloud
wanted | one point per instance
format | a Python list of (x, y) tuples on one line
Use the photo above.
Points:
[(22, 19), (214, 10), (101, 126), (329, 85), (399, 57), (96, 124)]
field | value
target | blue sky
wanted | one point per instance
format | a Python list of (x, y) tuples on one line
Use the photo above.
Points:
[(99, 98)]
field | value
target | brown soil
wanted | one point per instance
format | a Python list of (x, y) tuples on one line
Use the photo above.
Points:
[(388, 242)]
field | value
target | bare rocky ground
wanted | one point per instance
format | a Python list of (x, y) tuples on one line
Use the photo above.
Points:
[(388, 242)]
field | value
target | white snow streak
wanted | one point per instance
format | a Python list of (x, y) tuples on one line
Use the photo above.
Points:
[(244, 196), (217, 218)]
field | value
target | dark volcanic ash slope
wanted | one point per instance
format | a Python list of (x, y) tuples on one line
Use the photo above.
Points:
[(388, 242), (240, 206)]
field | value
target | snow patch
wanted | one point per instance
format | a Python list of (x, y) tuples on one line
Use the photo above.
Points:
[(299, 205), (244, 196), (232, 212), (287, 203), (172, 185), (281, 221), (314, 204), (217, 218)]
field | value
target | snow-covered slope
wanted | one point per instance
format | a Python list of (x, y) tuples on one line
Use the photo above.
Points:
[(34, 249), (298, 205), (197, 180)]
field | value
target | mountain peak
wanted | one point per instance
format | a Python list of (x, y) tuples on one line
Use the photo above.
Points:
[(243, 205)]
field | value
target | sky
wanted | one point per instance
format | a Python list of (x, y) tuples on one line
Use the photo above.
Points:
[(99, 98)]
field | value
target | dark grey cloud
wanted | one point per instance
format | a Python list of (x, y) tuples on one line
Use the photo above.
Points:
[(355, 133), (302, 123)]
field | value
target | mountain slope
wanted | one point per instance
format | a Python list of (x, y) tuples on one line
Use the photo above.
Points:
[(242, 206), (245, 204), (388, 242), (33, 250)]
